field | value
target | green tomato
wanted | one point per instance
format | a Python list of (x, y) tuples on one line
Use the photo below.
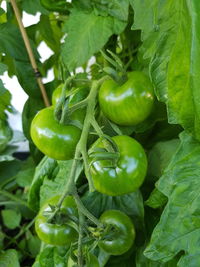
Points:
[(129, 104), (90, 261), (128, 174), (57, 94), (52, 138), (56, 234), (121, 239)]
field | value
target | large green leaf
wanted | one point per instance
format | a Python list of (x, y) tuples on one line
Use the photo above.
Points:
[(26, 78), (170, 31), (179, 227), (87, 33), (12, 45), (50, 32)]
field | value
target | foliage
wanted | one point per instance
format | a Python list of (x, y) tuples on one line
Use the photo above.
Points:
[(91, 41)]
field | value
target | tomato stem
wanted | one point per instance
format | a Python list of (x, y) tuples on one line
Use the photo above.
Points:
[(97, 128), (81, 225), (67, 111), (86, 212), (58, 107), (81, 150)]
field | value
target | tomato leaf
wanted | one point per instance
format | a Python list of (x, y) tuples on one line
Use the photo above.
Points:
[(55, 186), (179, 225), (160, 155), (156, 199), (44, 169), (86, 35), (11, 218), (51, 256)]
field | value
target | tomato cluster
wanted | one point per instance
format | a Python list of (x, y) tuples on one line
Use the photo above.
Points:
[(114, 241), (126, 105)]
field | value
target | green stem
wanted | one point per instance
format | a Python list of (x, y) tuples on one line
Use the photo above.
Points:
[(7, 181), (42, 246), (67, 111), (86, 212), (78, 105), (81, 150), (58, 107), (2, 203), (68, 190), (97, 128), (80, 238), (22, 231), (13, 197)]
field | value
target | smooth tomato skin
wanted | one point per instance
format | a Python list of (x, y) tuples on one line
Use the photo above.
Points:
[(56, 234), (57, 94), (52, 138), (124, 237), (91, 261), (129, 173), (129, 104)]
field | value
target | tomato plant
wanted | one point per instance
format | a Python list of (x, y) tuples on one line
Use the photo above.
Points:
[(130, 103), (121, 238), (127, 174), (105, 168), (56, 233)]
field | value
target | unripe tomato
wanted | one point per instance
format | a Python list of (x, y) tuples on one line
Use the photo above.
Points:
[(55, 140), (123, 236), (129, 104), (128, 174), (54, 233)]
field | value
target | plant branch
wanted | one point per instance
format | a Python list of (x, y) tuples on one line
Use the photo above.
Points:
[(21, 232), (81, 150), (85, 211), (80, 252), (30, 53)]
